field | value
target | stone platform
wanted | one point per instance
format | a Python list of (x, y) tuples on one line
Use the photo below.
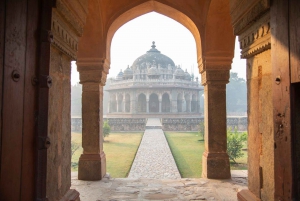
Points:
[(110, 189), (153, 123)]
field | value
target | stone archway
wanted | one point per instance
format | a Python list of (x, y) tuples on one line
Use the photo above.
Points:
[(214, 57), (153, 103), (166, 103), (179, 102), (142, 104), (127, 103)]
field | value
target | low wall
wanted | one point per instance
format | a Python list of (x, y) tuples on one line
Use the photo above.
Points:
[(169, 124)]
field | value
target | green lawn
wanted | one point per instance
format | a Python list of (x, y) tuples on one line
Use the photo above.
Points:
[(187, 149), (120, 150)]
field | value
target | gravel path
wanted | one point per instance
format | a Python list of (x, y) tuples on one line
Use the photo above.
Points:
[(154, 159)]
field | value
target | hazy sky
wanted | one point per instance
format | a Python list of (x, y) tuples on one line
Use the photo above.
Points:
[(172, 39)]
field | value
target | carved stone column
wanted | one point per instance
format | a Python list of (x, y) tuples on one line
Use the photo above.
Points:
[(147, 110), (159, 105), (215, 160), (124, 104), (92, 163), (183, 105)]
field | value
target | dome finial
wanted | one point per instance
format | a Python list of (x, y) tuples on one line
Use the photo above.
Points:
[(153, 44)]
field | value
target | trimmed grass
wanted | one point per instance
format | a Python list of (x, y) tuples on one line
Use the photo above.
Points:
[(120, 150), (187, 149)]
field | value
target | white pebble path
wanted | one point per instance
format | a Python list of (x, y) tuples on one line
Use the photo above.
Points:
[(154, 159)]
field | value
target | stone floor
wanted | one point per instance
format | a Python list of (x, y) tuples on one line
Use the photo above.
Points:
[(110, 189)]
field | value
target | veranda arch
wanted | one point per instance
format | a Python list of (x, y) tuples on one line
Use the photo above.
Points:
[(94, 63)]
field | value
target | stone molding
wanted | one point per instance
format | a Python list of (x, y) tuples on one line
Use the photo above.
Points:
[(257, 38), (71, 16), (216, 62), (67, 25), (245, 12), (63, 37), (215, 77), (93, 70)]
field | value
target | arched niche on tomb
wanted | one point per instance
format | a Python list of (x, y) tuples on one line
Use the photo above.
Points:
[(142, 103), (179, 102), (165, 103), (153, 103)]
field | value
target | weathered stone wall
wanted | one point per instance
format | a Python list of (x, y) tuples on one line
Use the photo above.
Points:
[(169, 124), (59, 130)]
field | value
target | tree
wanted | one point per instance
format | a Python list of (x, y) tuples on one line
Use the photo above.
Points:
[(74, 147), (236, 94), (235, 142), (106, 129)]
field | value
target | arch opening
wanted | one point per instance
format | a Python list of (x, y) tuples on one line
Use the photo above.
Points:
[(153, 103)]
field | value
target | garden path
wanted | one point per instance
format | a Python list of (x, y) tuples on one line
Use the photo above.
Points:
[(154, 159)]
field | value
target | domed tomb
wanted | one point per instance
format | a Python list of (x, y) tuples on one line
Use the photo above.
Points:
[(153, 55)]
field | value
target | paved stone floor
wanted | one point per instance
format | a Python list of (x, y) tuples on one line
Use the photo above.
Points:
[(154, 159), (110, 189)]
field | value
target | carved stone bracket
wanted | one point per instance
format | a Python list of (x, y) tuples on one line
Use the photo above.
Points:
[(257, 38), (93, 70), (67, 27), (243, 17), (215, 77)]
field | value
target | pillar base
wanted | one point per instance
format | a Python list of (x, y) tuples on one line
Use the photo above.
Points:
[(246, 195), (91, 167), (215, 166), (71, 195)]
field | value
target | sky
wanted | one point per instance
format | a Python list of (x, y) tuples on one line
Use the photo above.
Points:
[(171, 38)]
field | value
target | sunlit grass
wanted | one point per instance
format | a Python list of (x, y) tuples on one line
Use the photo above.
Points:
[(120, 150), (187, 149)]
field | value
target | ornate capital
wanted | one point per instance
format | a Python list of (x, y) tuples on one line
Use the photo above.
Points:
[(257, 38), (213, 62), (93, 70), (245, 12), (215, 77)]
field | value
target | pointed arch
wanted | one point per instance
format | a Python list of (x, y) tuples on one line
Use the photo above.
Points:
[(160, 8)]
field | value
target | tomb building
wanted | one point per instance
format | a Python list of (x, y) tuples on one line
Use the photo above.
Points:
[(154, 86)]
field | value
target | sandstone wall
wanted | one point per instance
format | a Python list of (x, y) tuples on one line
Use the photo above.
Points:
[(59, 130)]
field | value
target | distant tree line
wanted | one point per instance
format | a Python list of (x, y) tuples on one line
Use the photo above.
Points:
[(236, 95)]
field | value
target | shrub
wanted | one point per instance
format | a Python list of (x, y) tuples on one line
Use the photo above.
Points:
[(106, 129), (235, 143), (201, 129)]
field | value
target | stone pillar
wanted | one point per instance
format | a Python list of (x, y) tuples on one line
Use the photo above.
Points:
[(174, 106), (183, 105), (124, 104), (215, 160), (147, 110), (109, 106), (159, 106), (92, 163)]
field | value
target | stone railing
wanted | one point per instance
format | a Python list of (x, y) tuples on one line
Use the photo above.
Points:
[(154, 82), (169, 124)]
